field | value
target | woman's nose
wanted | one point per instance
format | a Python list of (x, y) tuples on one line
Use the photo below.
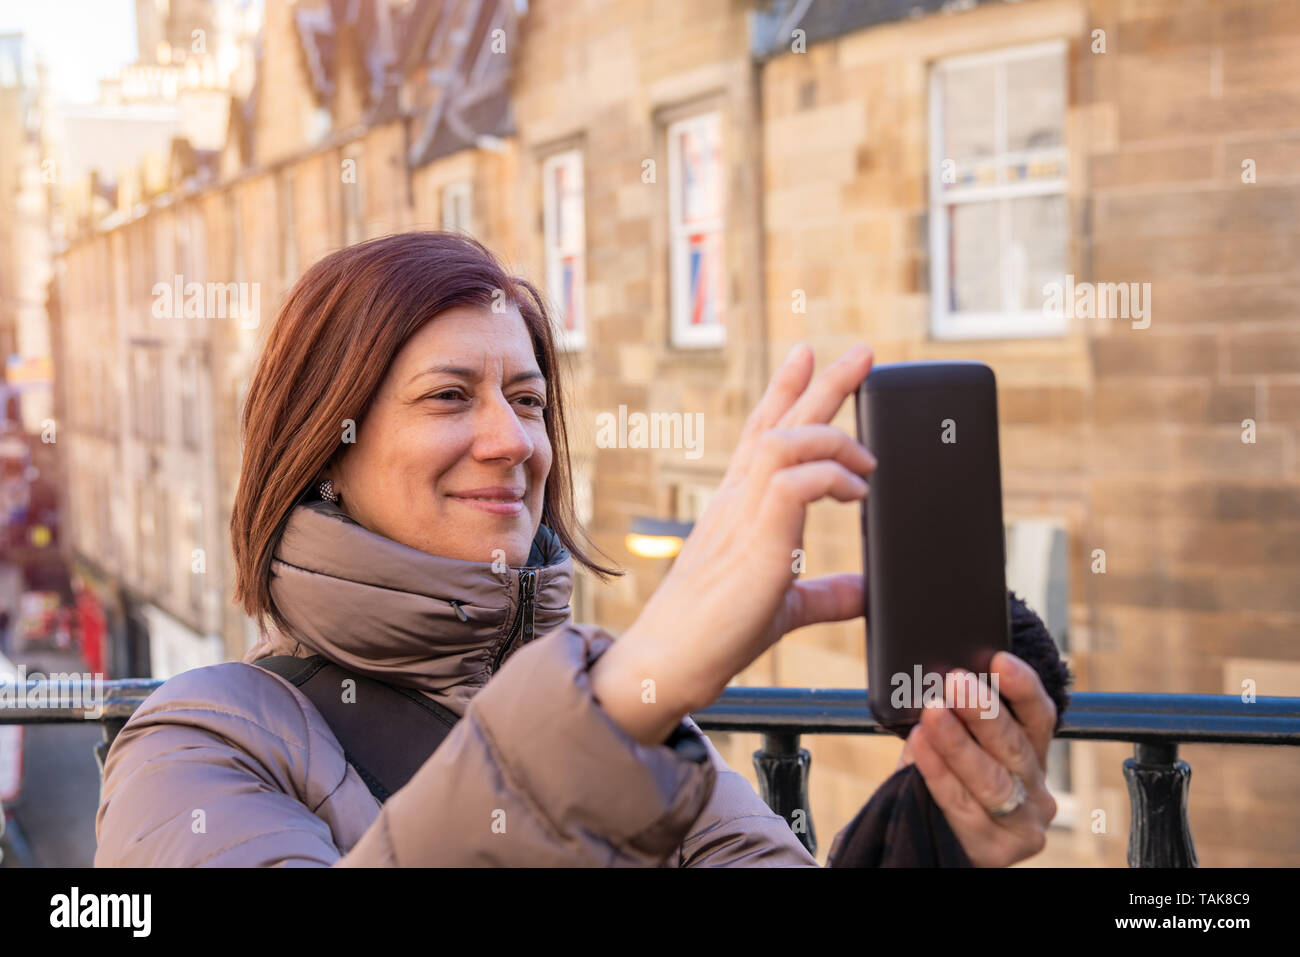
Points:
[(499, 434)]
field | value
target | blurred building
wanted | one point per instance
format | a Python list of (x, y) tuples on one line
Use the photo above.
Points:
[(1093, 197), (30, 557), (147, 484), (25, 253)]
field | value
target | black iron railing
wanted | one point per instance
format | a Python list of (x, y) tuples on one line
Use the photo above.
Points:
[(1158, 782), (1156, 724)]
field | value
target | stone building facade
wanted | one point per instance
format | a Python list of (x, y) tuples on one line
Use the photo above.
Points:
[(700, 185), (1156, 454)]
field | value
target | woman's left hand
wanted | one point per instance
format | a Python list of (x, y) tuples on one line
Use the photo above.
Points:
[(967, 761)]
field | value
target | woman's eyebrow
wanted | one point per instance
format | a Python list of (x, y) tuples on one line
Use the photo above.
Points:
[(473, 374)]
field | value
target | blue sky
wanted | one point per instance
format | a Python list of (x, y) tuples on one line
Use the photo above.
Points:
[(80, 40)]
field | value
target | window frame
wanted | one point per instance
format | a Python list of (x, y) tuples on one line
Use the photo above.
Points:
[(682, 334), (188, 375), (165, 572), (568, 340), (692, 499), (1061, 777), (459, 191), (157, 392), (194, 528), (945, 324)]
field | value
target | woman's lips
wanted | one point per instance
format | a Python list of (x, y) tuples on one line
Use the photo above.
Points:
[(496, 500)]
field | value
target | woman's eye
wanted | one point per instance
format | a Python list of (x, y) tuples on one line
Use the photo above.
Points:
[(453, 395)]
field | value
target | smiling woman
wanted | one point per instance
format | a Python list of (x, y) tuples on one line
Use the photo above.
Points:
[(403, 532), (454, 455), (404, 514), (442, 412)]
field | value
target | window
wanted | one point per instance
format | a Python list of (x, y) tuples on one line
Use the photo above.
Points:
[(565, 240), (583, 504), (156, 393), (135, 385), (146, 393), (998, 215), (1037, 572), (353, 186), (696, 221), (252, 634), (318, 124), (585, 588), (456, 208), (194, 522), (692, 498), (163, 544), (189, 383), (583, 601)]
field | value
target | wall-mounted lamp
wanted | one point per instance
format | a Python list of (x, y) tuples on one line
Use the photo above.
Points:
[(656, 538)]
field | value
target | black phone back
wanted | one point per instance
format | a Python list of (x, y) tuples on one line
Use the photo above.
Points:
[(934, 546)]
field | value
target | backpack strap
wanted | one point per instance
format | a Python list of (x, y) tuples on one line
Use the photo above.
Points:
[(387, 732)]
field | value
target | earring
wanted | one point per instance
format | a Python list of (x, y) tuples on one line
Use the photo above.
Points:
[(327, 491)]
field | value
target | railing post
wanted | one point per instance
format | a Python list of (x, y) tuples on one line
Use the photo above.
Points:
[(782, 768), (1158, 783), (110, 728)]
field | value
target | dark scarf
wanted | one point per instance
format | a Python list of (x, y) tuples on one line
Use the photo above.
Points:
[(901, 826)]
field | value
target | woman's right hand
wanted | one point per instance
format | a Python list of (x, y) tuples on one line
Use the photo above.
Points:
[(732, 591)]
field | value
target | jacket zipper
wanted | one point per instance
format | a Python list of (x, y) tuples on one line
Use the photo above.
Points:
[(522, 626)]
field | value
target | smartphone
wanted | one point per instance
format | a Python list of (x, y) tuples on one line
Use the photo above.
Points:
[(933, 542)]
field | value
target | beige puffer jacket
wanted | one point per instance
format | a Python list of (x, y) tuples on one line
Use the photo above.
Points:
[(232, 766)]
